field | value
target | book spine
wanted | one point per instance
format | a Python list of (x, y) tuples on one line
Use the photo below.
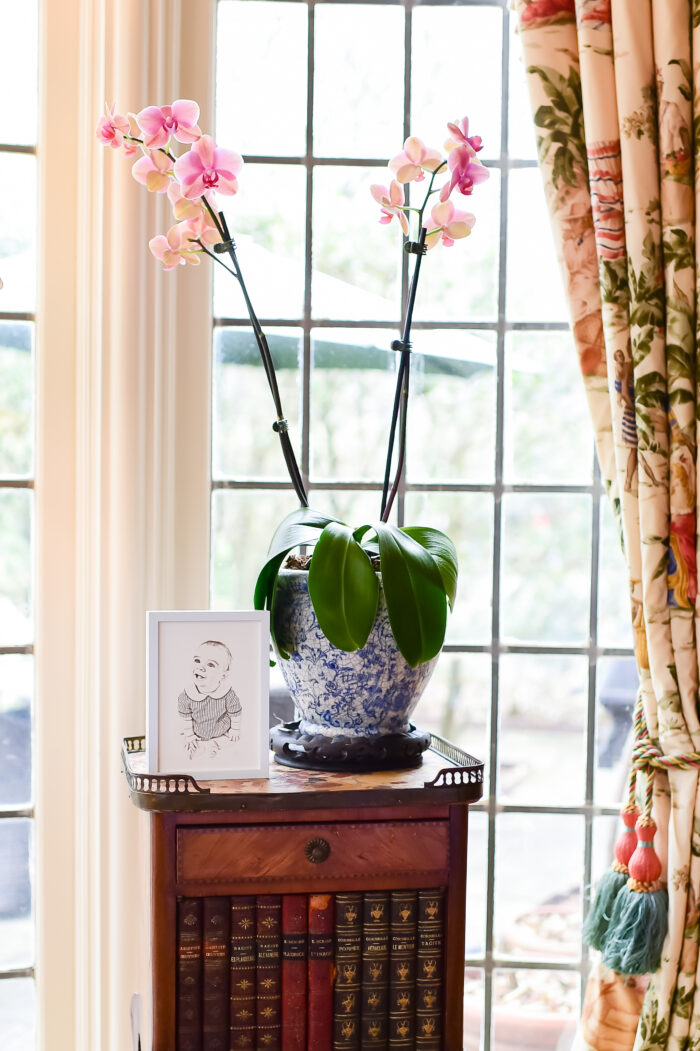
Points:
[(269, 971), (188, 994), (429, 969), (215, 974), (294, 966), (242, 974), (348, 968), (320, 1014), (375, 970), (402, 970)]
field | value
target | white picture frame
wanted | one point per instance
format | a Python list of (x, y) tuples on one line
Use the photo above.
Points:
[(208, 694)]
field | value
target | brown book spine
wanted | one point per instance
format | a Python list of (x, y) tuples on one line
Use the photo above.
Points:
[(215, 974), (429, 969), (188, 994), (294, 967), (242, 967), (269, 972), (320, 1015), (375, 970), (402, 970), (348, 969)]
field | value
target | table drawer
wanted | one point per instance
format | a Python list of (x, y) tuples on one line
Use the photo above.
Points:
[(245, 854)]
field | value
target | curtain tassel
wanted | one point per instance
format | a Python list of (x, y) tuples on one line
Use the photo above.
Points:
[(639, 917), (595, 928)]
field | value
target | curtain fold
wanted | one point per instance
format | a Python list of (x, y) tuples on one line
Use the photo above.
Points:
[(615, 94)]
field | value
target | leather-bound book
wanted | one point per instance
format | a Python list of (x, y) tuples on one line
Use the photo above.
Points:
[(294, 971), (348, 970), (320, 995), (188, 986), (375, 970), (242, 974), (269, 972), (429, 969), (215, 974), (402, 970)]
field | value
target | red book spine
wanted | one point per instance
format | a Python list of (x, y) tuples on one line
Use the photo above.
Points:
[(294, 928), (321, 921)]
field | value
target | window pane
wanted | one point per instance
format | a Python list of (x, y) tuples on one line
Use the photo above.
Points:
[(17, 1014), (16, 690), (15, 568), (439, 35), (537, 897), (255, 38), (244, 444), (354, 508), (242, 526), (548, 432), (473, 1009), (546, 579), (358, 80), (352, 394), (535, 291), (535, 1009), (17, 231), (16, 398), (18, 74), (452, 408), (617, 686), (456, 704), (614, 609), (268, 228), (16, 921), (543, 714), (467, 518), (475, 941), (356, 260)]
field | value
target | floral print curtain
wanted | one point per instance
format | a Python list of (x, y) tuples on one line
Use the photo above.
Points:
[(615, 90)]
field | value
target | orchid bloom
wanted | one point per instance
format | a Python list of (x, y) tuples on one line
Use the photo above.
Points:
[(467, 172), (201, 228), (416, 156), (182, 207), (153, 170), (158, 123), (174, 248), (112, 128), (207, 167), (391, 201), (459, 130), (450, 224)]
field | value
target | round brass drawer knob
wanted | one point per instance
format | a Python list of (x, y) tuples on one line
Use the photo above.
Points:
[(317, 850)]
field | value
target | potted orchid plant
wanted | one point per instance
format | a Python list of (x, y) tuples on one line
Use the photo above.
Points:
[(367, 587)]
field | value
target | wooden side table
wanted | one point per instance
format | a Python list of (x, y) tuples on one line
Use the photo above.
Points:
[(386, 831)]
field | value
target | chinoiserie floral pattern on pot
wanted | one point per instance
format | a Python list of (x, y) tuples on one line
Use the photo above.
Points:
[(365, 693)]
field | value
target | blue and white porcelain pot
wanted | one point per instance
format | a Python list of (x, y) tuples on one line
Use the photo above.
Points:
[(367, 693)]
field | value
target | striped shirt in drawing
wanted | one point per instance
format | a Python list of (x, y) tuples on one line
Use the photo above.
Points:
[(605, 177), (211, 716)]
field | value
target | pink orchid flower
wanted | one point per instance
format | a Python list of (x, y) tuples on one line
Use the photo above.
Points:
[(158, 123), (201, 228), (459, 130), (467, 171), (175, 248), (415, 157), (391, 201), (182, 207), (206, 167), (112, 128), (450, 224), (153, 170)]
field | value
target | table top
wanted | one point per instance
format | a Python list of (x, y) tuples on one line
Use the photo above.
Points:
[(446, 774)]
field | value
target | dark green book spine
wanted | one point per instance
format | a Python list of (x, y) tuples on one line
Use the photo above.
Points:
[(242, 974), (429, 969), (188, 978), (348, 970), (269, 971), (375, 971), (402, 970)]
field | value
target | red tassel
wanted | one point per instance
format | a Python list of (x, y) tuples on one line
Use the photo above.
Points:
[(627, 840), (644, 865)]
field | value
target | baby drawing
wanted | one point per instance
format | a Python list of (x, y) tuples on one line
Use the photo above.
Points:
[(208, 702)]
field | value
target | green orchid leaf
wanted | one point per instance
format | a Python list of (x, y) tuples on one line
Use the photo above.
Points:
[(300, 527), (343, 587), (414, 593), (443, 551)]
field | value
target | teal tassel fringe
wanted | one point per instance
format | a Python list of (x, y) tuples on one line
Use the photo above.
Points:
[(598, 920), (636, 931)]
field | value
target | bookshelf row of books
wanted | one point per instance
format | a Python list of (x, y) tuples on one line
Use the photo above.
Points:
[(311, 972)]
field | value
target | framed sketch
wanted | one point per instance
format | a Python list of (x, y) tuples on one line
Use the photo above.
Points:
[(208, 693)]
